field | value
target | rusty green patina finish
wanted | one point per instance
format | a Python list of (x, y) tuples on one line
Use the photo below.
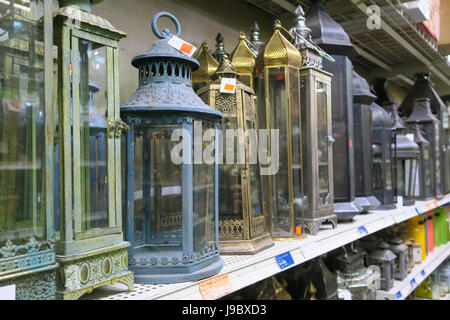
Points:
[(89, 255)]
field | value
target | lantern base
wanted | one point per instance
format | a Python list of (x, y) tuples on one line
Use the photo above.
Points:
[(241, 247), (368, 203), (346, 211), (313, 224), (82, 273), (167, 275)]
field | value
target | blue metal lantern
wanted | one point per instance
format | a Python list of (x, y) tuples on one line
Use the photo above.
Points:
[(172, 206)]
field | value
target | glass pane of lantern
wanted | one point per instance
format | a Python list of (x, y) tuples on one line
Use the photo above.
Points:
[(403, 167), (377, 175), (388, 167), (437, 151), (280, 185), (22, 213), (255, 182), (204, 193), (427, 173), (93, 126), (296, 139), (304, 88), (322, 140)]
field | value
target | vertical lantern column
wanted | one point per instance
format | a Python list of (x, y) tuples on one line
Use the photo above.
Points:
[(278, 98), (90, 249), (382, 173), (362, 117), (27, 234), (332, 38), (316, 129), (243, 227), (430, 127), (172, 172)]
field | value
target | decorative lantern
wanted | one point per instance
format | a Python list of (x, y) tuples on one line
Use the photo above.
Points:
[(27, 255), (323, 280), (430, 126), (332, 38), (383, 185), (362, 121), (402, 253), (352, 275), (243, 225), (244, 59), (220, 48), (384, 258), (279, 100), (424, 88), (208, 66), (407, 157), (317, 140), (90, 250), (172, 204)]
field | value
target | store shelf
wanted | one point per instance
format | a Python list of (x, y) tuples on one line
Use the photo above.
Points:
[(403, 289), (243, 271)]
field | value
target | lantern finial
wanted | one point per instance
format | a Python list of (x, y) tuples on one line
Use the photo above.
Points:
[(220, 48), (226, 69)]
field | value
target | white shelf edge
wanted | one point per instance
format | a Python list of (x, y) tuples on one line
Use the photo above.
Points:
[(434, 260), (246, 270)]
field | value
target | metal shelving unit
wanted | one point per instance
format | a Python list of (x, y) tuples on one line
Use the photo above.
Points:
[(242, 271)]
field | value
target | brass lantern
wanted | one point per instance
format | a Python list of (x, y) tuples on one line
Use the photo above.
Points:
[(317, 140), (90, 249), (208, 66), (244, 58), (243, 227), (279, 100)]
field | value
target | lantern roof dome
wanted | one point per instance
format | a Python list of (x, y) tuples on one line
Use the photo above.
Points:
[(361, 90), (327, 33), (422, 88), (421, 112), (280, 51), (208, 65), (380, 117), (243, 57), (226, 69), (165, 78)]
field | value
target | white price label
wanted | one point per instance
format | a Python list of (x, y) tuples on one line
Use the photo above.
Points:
[(228, 85), (8, 292), (311, 250), (182, 46)]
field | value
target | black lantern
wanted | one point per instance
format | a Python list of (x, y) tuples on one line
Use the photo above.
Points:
[(431, 129), (382, 173), (362, 121), (422, 185), (424, 88), (402, 253), (384, 258), (172, 203), (332, 38)]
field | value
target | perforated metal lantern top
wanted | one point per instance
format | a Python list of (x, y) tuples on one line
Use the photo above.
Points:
[(165, 78)]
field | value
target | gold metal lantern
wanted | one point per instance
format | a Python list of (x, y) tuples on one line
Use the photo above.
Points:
[(243, 225), (244, 59), (279, 98), (208, 66)]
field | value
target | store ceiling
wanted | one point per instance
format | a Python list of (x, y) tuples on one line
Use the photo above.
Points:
[(396, 51)]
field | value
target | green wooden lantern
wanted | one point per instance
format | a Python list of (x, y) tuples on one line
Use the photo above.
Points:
[(27, 255), (90, 248)]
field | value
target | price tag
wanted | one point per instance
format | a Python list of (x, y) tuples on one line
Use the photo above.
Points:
[(215, 287), (422, 273), (182, 46), (228, 85), (284, 260), (8, 292), (398, 295), (429, 206), (311, 250), (413, 282), (363, 231), (436, 203)]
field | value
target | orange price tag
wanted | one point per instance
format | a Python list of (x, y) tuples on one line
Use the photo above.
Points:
[(298, 230), (436, 203), (429, 206), (215, 287), (228, 85), (182, 46)]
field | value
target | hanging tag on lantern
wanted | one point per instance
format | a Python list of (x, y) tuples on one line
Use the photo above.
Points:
[(228, 85), (182, 46)]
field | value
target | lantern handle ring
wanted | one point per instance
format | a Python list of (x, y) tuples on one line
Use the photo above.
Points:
[(166, 33)]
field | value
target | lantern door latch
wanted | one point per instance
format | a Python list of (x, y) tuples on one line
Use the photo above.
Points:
[(115, 127)]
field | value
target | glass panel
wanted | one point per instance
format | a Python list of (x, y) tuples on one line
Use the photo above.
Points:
[(294, 87), (403, 170), (388, 166), (412, 178), (377, 175), (94, 142), (204, 202), (322, 143), (427, 167), (437, 151), (281, 222), (22, 141), (306, 163)]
